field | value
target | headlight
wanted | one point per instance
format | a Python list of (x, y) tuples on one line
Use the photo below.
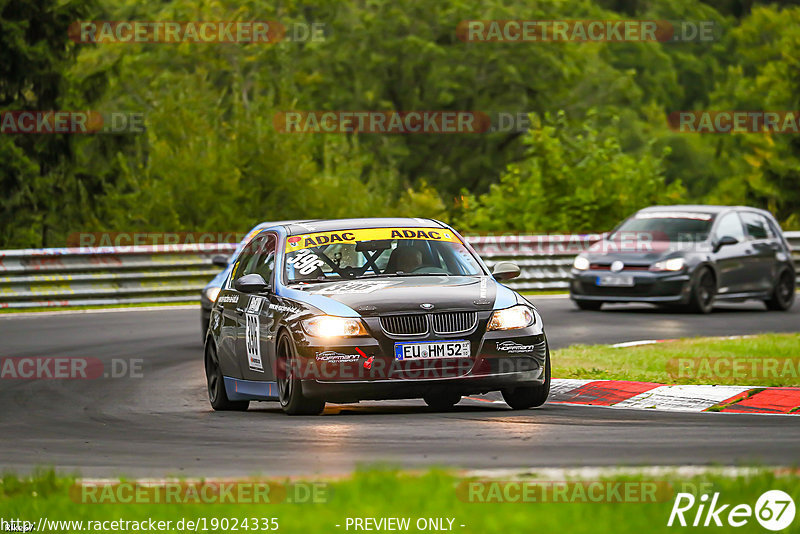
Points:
[(581, 263), (212, 293), (515, 317), (328, 326), (674, 264)]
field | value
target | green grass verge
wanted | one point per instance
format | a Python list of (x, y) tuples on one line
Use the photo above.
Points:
[(435, 494), (535, 292), (764, 360)]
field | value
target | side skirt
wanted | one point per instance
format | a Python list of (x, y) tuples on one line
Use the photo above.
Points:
[(238, 389)]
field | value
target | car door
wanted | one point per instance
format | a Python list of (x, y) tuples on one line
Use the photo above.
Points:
[(255, 316), (765, 245), (731, 260)]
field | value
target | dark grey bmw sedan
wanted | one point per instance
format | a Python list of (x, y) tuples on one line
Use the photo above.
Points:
[(688, 256)]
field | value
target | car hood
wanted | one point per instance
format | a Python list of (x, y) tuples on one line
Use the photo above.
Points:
[(377, 296), (642, 254)]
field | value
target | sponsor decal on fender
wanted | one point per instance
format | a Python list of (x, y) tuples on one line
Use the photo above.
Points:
[(336, 357), (283, 308), (512, 347), (231, 299)]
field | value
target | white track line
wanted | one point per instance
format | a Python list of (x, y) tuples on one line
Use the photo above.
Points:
[(594, 473)]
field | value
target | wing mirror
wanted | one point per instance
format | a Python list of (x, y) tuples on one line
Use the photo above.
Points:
[(251, 283), (505, 270), (724, 242), (220, 260)]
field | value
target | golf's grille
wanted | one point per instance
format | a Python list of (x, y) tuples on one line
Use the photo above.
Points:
[(443, 323), (405, 324), (453, 322)]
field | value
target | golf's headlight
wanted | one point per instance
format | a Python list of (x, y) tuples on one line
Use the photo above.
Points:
[(329, 326), (519, 316), (674, 264), (212, 293), (581, 263)]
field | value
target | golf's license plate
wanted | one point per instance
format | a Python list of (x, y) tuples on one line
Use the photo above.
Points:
[(424, 350), (615, 281)]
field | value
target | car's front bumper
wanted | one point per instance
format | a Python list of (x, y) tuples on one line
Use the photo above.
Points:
[(657, 287), (367, 369)]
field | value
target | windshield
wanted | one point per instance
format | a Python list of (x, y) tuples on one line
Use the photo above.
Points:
[(367, 253), (663, 226)]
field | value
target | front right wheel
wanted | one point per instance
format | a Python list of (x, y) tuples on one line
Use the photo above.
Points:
[(441, 401), (522, 398), (588, 305), (704, 289)]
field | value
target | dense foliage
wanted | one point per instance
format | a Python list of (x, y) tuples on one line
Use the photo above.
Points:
[(210, 158)]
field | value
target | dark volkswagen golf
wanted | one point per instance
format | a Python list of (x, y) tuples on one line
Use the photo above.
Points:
[(349, 310), (688, 256)]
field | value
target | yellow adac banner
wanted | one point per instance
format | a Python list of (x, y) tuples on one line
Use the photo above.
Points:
[(299, 242)]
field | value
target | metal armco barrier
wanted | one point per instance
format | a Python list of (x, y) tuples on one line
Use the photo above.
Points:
[(106, 275), (176, 273)]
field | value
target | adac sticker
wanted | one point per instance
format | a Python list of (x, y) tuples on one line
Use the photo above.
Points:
[(299, 242)]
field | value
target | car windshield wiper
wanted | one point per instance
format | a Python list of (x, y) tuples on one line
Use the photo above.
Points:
[(319, 280)]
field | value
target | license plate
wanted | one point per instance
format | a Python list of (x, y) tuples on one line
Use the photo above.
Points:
[(615, 281), (426, 350)]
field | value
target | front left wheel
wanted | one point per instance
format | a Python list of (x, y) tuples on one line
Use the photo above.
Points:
[(216, 385), (290, 389), (522, 398)]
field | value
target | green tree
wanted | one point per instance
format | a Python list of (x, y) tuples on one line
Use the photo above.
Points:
[(575, 180)]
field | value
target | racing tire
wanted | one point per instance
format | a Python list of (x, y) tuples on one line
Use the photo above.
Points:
[(216, 385), (441, 401), (588, 305), (290, 388), (783, 294), (704, 289), (522, 398), (204, 322)]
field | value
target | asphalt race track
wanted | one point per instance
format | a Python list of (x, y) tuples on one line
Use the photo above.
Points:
[(161, 423)]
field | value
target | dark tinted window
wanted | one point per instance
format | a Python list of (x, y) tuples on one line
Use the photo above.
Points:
[(257, 257), (672, 227), (730, 226), (756, 225)]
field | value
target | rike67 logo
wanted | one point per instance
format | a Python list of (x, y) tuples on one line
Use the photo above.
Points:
[(774, 510)]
